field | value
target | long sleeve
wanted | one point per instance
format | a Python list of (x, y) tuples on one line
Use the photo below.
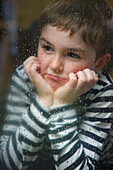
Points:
[(25, 124), (77, 137)]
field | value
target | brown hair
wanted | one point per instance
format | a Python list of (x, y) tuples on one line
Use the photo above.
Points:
[(93, 17)]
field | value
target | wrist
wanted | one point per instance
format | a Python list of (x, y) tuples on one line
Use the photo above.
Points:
[(65, 101), (46, 100)]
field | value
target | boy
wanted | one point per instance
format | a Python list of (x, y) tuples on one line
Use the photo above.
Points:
[(59, 110)]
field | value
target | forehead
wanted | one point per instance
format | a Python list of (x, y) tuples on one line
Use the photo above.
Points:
[(58, 37)]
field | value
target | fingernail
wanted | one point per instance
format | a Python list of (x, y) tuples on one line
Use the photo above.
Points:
[(72, 76)]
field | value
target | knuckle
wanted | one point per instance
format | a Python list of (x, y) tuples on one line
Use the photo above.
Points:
[(91, 79), (86, 70), (83, 81)]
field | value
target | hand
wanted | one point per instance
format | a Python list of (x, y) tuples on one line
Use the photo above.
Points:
[(32, 69), (78, 84)]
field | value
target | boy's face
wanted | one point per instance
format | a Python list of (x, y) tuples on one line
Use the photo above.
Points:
[(60, 54)]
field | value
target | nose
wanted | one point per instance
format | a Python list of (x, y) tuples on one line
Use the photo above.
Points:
[(57, 63)]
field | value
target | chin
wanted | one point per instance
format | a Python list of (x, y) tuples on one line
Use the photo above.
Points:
[(54, 84), (55, 87)]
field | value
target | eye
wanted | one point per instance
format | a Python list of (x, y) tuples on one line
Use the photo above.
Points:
[(47, 48), (73, 55)]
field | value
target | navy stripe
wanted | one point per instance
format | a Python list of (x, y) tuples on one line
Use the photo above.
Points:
[(23, 75), (91, 147), (62, 109), (92, 135), (109, 87), (67, 118), (11, 113), (92, 160), (17, 103), (31, 130), (95, 119), (69, 154), (18, 86), (14, 143), (3, 162), (100, 110), (96, 91), (40, 124), (7, 132), (100, 82), (28, 153), (41, 110), (62, 128), (20, 68), (91, 167), (29, 142), (57, 151), (12, 122), (101, 129), (63, 139), (103, 99), (12, 164), (108, 78), (77, 162)]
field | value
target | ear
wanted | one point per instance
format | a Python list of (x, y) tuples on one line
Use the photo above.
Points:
[(102, 61)]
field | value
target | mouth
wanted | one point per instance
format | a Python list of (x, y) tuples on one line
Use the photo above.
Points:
[(56, 78)]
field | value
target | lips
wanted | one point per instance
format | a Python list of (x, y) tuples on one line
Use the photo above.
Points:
[(56, 78)]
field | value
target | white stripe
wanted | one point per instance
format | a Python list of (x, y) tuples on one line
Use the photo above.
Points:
[(13, 155), (30, 136), (99, 115), (33, 125), (13, 118), (30, 148), (16, 109), (20, 82), (93, 130), (99, 124), (38, 115), (64, 122), (67, 114), (62, 144), (8, 127), (62, 134), (91, 154), (68, 148), (72, 159), (101, 105), (90, 141), (5, 156)]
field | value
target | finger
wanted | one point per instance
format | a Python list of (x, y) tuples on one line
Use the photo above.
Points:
[(91, 76), (72, 76), (82, 79), (72, 80), (31, 58), (71, 83), (32, 65), (95, 75)]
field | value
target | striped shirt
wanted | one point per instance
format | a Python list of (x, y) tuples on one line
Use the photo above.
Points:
[(73, 134)]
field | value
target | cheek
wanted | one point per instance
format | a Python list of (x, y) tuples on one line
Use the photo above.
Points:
[(43, 61), (72, 68), (75, 67)]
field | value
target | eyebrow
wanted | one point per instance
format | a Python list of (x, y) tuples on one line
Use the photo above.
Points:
[(76, 50), (43, 39), (67, 49)]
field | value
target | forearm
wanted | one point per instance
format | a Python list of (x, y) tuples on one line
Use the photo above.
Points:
[(21, 148), (24, 126), (75, 147)]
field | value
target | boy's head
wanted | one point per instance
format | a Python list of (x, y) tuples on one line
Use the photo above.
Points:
[(93, 18)]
